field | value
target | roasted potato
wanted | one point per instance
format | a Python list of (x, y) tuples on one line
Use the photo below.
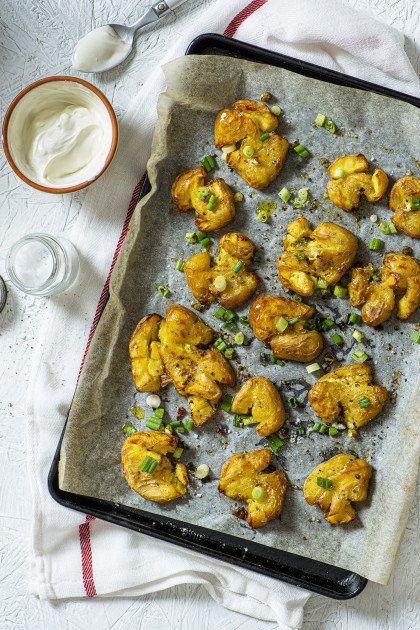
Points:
[(296, 343), (326, 252), (350, 479), (398, 273), (242, 473), (261, 397), (350, 178), (146, 364), (185, 193), (165, 483), (232, 249), (338, 393), (246, 122), (405, 219)]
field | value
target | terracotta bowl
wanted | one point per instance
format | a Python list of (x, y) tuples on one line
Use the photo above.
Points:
[(107, 159)]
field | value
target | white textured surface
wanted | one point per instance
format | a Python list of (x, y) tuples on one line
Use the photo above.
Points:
[(37, 38)]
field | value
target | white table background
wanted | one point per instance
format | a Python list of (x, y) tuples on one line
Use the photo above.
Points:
[(36, 40)]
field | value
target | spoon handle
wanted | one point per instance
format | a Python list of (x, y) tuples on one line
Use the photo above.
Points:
[(173, 4)]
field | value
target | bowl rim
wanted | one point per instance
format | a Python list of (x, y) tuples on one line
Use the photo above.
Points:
[(11, 108)]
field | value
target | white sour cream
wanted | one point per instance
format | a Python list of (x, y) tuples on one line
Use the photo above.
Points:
[(98, 50), (60, 134)]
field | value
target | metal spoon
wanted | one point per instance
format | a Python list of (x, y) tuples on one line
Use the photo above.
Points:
[(126, 33)]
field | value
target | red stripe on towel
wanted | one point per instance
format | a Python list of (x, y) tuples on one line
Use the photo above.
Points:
[(233, 26), (87, 567)]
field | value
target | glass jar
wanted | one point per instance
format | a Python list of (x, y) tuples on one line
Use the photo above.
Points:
[(40, 264)]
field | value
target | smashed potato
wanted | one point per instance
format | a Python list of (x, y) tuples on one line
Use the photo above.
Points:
[(165, 483), (233, 248), (296, 343), (398, 273), (405, 219), (350, 481), (195, 372), (350, 178), (326, 252), (261, 397), (338, 393), (190, 193), (247, 121), (146, 364), (242, 473)]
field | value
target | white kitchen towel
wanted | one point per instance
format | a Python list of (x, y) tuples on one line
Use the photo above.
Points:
[(73, 555)]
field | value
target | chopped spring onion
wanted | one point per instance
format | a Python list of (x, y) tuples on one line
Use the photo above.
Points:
[(220, 313), (316, 426), (180, 265), (190, 236), (239, 338), (230, 315), (238, 266), (357, 335), (275, 360), (263, 216), (324, 482), (249, 420), (212, 203), (300, 255), (320, 119), (301, 431), (282, 324), (298, 203), (154, 423), (275, 443), (201, 236), (285, 194), (248, 150), (220, 283), (189, 424), (392, 227), (336, 338), (229, 353), (202, 471), (258, 493), (237, 421), (363, 402), (297, 297), (332, 431), (178, 452), (415, 336), (138, 412), (323, 429), (163, 290), (244, 320), (374, 243), (227, 403), (229, 325), (293, 321), (340, 172), (181, 429), (415, 203), (330, 126), (208, 163), (301, 150), (229, 148), (224, 157), (275, 110), (314, 367), (303, 194), (148, 464), (238, 196), (384, 227), (355, 318), (203, 193), (374, 277), (175, 423), (264, 137), (159, 413), (340, 291), (321, 283), (327, 324), (359, 355), (221, 346), (205, 242), (292, 402), (352, 433), (129, 428)]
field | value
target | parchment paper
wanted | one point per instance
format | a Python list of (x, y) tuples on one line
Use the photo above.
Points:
[(387, 132)]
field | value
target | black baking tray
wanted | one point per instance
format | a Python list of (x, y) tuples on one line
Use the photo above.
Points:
[(316, 576)]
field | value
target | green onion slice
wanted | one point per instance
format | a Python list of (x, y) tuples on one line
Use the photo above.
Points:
[(180, 265), (230, 316), (249, 420), (138, 412), (300, 255), (148, 464), (321, 283), (282, 324), (314, 367), (340, 291), (275, 360), (292, 402), (258, 493), (159, 412), (201, 236), (384, 227), (374, 243), (275, 110), (248, 150), (301, 431), (415, 203), (301, 150), (392, 227), (205, 242), (203, 192), (336, 338), (244, 320), (303, 194), (316, 426), (320, 119), (415, 336), (178, 452), (238, 266), (227, 403), (340, 172), (332, 431), (330, 126), (239, 338), (220, 313), (285, 194), (264, 137), (163, 290), (129, 428), (357, 335), (237, 421), (189, 424), (275, 443), (323, 429), (363, 402), (190, 236), (327, 324), (355, 318), (359, 355), (324, 482), (181, 429), (297, 297), (229, 353), (175, 423)]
